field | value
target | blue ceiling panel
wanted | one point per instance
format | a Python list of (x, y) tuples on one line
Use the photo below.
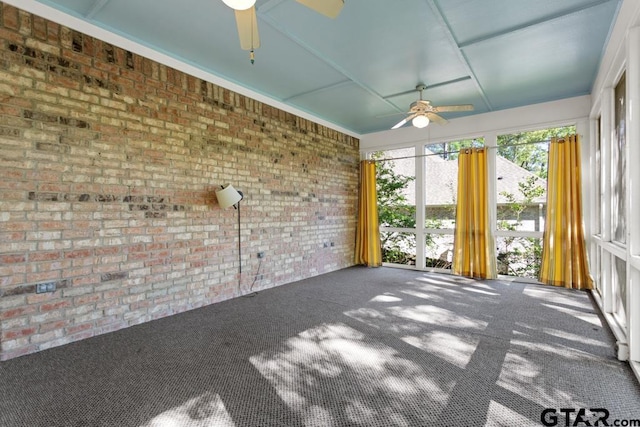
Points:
[(340, 101), (359, 70), (548, 61), (376, 42), (472, 20)]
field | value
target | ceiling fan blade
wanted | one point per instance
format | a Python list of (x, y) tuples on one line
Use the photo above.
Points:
[(403, 121), (330, 8), (443, 108), (436, 118), (399, 124), (247, 23)]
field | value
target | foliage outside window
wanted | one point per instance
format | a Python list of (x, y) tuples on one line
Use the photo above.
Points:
[(521, 165), (395, 211), (441, 186), (521, 169)]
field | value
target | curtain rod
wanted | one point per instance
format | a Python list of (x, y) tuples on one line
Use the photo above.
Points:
[(457, 151)]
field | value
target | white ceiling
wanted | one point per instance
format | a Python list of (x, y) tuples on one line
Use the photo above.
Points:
[(359, 71)]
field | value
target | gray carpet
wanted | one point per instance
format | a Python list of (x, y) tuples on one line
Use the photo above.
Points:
[(358, 347)]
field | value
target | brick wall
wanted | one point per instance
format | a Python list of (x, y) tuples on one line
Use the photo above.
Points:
[(109, 162)]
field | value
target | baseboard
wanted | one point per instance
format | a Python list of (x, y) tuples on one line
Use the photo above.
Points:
[(635, 367), (622, 344)]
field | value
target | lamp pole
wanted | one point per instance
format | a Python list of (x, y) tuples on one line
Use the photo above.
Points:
[(229, 196), (239, 245)]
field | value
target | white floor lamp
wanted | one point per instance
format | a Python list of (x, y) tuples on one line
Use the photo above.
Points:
[(229, 196)]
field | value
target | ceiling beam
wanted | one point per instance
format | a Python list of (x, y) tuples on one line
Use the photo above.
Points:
[(439, 16), (98, 5), (433, 86), (319, 90)]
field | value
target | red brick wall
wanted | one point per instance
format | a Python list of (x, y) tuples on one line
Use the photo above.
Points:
[(109, 162)]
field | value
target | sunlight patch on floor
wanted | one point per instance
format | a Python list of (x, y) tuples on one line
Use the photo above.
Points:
[(501, 416), (559, 296), (451, 348), (565, 352), (377, 319), (387, 297), (455, 348), (206, 410), (480, 291), (372, 382), (586, 317), (483, 285), (564, 335), (446, 279), (574, 337), (445, 288), (525, 378), (424, 295), (437, 316)]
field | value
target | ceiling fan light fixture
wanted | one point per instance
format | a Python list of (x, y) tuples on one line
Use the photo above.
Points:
[(420, 121), (239, 4)]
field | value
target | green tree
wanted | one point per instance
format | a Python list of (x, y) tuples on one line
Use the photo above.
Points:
[(521, 148), (518, 256), (449, 150), (530, 190), (393, 207), (394, 211)]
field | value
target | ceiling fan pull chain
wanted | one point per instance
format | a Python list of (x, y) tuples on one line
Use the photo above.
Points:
[(252, 57)]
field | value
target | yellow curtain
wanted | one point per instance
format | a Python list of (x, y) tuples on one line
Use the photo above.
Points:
[(564, 255), (474, 246), (368, 249)]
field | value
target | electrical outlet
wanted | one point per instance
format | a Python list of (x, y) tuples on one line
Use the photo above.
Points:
[(42, 288), (260, 254)]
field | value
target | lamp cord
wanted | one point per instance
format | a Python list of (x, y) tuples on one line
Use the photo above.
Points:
[(255, 279)]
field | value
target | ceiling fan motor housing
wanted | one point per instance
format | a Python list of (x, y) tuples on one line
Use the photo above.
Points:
[(420, 106)]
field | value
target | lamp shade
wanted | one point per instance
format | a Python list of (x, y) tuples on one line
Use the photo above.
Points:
[(420, 121), (239, 4), (228, 196)]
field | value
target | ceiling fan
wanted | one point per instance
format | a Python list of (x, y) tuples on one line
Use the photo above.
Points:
[(247, 22), (421, 112)]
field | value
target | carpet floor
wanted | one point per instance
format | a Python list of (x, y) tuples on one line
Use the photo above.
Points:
[(357, 347)]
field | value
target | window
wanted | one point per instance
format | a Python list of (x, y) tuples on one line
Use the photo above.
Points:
[(396, 205), (619, 282), (521, 165), (619, 166), (441, 186), (599, 186), (521, 184)]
